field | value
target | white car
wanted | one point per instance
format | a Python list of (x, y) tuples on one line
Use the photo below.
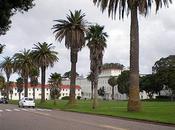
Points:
[(26, 102)]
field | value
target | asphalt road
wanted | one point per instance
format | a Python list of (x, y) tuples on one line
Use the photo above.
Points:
[(14, 118)]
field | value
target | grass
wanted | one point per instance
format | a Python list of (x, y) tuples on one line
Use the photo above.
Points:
[(157, 111)]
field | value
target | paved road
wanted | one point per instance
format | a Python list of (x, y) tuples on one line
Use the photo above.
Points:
[(14, 118)]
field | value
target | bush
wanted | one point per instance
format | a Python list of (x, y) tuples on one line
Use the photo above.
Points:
[(78, 97), (65, 98)]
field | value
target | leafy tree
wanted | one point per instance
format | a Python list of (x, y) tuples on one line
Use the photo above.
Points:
[(23, 63), (164, 69), (43, 57), (7, 67), (73, 30), (90, 78), (123, 82), (34, 74), (68, 74), (19, 85), (8, 8), (132, 7), (112, 66), (96, 43), (55, 84), (149, 85), (112, 81)]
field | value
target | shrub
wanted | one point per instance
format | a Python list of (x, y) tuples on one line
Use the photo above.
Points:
[(65, 98), (78, 97)]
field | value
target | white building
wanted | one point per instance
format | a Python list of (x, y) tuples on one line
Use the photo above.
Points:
[(65, 91), (102, 82)]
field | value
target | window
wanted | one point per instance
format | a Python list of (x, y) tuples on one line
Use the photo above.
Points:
[(37, 89), (15, 94)]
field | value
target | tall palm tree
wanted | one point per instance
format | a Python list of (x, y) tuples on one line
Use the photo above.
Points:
[(96, 43), (44, 56), (132, 7), (2, 84), (112, 81), (34, 74), (55, 83), (7, 67), (23, 64), (90, 78), (73, 30)]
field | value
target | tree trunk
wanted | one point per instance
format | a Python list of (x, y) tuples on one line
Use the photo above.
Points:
[(19, 96), (33, 92), (134, 103), (74, 55), (92, 89), (112, 92), (43, 77), (7, 87), (26, 87), (94, 104)]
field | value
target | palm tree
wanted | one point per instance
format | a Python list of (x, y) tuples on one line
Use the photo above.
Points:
[(112, 81), (96, 43), (7, 67), (2, 84), (90, 78), (68, 74), (23, 64), (132, 6), (19, 85), (55, 83), (34, 74), (73, 30), (44, 56)]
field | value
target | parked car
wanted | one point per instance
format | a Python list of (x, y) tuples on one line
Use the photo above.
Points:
[(3, 101), (26, 102)]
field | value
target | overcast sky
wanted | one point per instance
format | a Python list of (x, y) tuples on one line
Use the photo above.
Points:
[(157, 34)]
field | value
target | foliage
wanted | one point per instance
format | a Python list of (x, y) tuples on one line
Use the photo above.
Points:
[(123, 82), (112, 81), (1, 48), (149, 84), (55, 84), (68, 74), (164, 69), (43, 57), (78, 97), (96, 38), (65, 98), (8, 8), (125, 6), (73, 30), (101, 91), (7, 66), (2, 82), (112, 66)]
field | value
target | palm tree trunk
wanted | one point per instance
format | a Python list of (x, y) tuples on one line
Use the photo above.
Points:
[(134, 103), (54, 100), (94, 104), (26, 86), (112, 92), (92, 89), (19, 96), (43, 75), (33, 92), (74, 54), (7, 87)]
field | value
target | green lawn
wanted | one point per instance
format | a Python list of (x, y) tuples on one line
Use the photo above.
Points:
[(152, 111)]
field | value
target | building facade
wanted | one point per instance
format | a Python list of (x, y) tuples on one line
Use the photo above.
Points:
[(65, 91), (102, 82)]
